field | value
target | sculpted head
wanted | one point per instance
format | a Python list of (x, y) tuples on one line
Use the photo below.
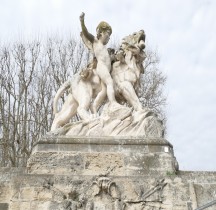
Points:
[(137, 39), (103, 27)]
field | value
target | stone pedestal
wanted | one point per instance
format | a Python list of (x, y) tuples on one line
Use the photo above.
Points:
[(116, 156)]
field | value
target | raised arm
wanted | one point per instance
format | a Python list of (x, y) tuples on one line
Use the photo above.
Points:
[(85, 32)]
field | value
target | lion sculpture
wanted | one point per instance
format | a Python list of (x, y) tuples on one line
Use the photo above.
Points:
[(87, 92)]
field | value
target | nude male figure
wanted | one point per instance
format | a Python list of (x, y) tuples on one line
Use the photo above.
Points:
[(103, 59)]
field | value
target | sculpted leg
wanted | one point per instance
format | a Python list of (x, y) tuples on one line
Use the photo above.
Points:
[(99, 99), (83, 113), (131, 96), (111, 92), (107, 79), (83, 109), (68, 110)]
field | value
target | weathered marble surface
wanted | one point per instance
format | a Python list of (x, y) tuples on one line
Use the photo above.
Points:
[(89, 89), (119, 122)]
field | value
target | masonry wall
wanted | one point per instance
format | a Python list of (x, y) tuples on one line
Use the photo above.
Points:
[(41, 186)]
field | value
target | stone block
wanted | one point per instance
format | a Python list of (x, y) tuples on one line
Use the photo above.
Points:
[(104, 163), (4, 206), (28, 193), (5, 192), (40, 205), (25, 205), (115, 155), (14, 205)]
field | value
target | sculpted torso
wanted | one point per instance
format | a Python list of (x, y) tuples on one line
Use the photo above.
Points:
[(102, 55), (122, 72)]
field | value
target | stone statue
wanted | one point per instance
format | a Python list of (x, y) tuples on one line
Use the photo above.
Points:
[(83, 87), (99, 49), (128, 67), (112, 74)]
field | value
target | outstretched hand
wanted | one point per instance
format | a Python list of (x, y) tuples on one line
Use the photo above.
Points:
[(82, 16)]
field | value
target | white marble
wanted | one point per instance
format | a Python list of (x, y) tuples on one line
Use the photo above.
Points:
[(113, 74)]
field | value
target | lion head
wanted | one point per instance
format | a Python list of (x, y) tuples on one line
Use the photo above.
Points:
[(137, 39), (133, 46)]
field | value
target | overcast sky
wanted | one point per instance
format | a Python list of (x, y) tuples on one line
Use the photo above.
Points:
[(182, 31)]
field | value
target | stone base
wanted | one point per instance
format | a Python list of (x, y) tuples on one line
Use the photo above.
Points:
[(105, 173), (114, 121), (118, 156)]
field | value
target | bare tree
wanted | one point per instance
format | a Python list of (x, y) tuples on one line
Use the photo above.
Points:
[(152, 84), (30, 74)]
